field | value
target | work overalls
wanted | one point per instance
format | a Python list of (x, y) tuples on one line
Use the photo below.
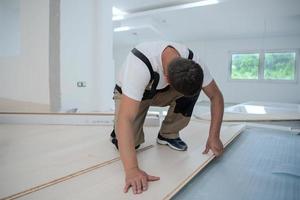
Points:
[(179, 113)]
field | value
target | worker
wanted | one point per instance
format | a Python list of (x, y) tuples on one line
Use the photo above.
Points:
[(161, 74)]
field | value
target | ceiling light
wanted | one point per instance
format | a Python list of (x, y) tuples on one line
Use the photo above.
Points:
[(118, 14), (122, 28), (199, 3), (117, 11)]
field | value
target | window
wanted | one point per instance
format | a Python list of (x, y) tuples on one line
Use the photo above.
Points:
[(280, 66), (268, 65), (244, 66)]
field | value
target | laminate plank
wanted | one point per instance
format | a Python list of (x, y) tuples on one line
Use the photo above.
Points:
[(174, 168), (33, 155)]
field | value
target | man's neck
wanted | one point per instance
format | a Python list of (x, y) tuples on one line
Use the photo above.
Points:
[(168, 54)]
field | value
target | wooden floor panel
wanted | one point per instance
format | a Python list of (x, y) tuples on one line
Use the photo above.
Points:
[(79, 147), (31, 155)]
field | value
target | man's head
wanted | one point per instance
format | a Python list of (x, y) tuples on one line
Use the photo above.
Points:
[(185, 76)]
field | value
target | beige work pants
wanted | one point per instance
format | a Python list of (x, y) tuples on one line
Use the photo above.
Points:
[(177, 118)]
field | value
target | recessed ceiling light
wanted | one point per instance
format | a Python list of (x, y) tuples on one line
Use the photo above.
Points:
[(199, 3), (118, 14), (117, 11), (122, 28)]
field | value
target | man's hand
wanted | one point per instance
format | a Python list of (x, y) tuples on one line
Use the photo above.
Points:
[(215, 145), (216, 109), (138, 180)]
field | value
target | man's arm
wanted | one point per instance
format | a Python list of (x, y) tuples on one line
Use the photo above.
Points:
[(217, 109), (135, 178)]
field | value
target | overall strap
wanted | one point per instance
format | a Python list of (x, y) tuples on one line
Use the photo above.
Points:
[(145, 60), (148, 94), (191, 55)]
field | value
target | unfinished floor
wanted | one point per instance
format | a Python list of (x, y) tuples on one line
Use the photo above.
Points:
[(262, 163)]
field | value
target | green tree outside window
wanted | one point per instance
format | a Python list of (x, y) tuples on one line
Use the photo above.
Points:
[(279, 66), (245, 66)]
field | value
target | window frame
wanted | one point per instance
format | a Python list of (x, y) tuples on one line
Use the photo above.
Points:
[(244, 52), (261, 66)]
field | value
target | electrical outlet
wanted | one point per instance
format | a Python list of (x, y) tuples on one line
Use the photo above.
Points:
[(81, 84)]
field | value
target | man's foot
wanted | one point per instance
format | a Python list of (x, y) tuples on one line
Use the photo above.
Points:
[(176, 144), (114, 140)]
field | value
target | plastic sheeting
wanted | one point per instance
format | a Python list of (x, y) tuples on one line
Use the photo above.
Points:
[(261, 164)]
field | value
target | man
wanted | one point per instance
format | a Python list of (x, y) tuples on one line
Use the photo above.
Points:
[(161, 74)]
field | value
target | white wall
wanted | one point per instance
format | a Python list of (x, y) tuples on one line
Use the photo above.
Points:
[(81, 33), (24, 73), (10, 28), (120, 54), (215, 53), (86, 55)]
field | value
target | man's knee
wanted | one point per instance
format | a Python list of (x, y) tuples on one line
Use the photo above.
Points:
[(185, 105)]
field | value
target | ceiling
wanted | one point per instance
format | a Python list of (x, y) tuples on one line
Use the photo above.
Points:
[(169, 20)]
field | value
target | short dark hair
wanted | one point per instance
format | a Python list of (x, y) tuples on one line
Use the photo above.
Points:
[(185, 76)]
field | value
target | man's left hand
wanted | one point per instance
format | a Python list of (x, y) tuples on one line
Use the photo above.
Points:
[(215, 145)]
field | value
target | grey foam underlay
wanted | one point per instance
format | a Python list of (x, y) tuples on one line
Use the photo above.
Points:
[(261, 164)]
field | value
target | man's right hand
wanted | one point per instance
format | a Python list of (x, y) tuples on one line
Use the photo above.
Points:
[(138, 180)]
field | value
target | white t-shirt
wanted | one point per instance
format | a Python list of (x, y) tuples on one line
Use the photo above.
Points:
[(134, 76)]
